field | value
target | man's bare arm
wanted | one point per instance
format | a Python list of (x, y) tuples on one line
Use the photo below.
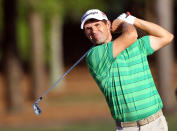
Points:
[(159, 37), (127, 37)]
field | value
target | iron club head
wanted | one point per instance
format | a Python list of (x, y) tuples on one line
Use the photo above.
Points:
[(37, 109)]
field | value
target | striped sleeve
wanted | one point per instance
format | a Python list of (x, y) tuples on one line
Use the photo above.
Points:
[(144, 45), (99, 59)]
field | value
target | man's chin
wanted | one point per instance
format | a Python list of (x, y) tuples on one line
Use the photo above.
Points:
[(98, 42)]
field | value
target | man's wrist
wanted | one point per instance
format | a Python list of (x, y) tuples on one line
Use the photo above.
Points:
[(137, 22), (127, 18)]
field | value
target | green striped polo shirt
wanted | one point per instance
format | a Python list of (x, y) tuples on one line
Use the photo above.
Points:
[(126, 81)]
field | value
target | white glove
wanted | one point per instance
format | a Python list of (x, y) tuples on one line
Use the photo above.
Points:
[(127, 18)]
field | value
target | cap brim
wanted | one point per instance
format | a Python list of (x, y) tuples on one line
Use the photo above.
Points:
[(88, 18)]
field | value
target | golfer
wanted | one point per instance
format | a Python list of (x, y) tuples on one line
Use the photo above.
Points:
[(120, 68)]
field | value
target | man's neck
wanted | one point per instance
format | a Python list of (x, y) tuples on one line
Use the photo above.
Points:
[(109, 39)]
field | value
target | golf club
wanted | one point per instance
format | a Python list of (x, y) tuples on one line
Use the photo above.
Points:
[(36, 107)]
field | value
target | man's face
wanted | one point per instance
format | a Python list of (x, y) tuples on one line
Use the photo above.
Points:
[(97, 31)]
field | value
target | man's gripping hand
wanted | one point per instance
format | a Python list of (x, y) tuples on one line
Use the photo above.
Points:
[(116, 24), (127, 18)]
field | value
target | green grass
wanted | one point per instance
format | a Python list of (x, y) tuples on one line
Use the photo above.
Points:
[(172, 122), (79, 126), (106, 125)]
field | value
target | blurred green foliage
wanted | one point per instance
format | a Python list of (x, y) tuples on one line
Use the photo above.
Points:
[(76, 8), (64, 9), (47, 9), (23, 39)]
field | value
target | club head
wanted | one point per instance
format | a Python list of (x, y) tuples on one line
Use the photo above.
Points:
[(37, 109)]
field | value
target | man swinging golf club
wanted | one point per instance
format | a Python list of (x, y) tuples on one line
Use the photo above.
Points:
[(120, 68)]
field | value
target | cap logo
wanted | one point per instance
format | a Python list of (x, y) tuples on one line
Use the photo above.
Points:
[(91, 13)]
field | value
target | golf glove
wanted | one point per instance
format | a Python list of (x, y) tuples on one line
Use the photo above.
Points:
[(127, 18)]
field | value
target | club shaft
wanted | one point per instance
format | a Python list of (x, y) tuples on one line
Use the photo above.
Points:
[(59, 79)]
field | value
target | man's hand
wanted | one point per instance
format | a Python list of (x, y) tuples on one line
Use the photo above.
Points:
[(116, 26), (127, 18), (124, 17)]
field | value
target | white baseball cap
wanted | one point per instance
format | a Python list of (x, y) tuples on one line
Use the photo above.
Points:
[(93, 14)]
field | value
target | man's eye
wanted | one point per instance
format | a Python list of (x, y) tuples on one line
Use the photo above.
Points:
[(97, 25), (87, 29)]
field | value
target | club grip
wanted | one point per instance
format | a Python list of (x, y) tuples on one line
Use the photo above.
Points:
[(128, 13)]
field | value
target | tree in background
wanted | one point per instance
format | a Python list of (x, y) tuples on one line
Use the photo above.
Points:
[(10, 58), (165, 57), (37, 54), (52, 12), (161, 12), (37, 48)]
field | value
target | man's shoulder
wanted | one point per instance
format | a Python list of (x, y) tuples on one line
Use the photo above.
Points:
[(96, 50), (99, 53)]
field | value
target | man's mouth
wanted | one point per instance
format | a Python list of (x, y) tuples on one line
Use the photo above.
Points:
[(95, 37)]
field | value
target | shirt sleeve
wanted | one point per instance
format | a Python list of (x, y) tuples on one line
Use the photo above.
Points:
[(144, 45), (99, 59)]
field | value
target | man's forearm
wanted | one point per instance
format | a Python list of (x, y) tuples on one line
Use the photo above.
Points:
[(151, 28), (159, 37), (127, 38)]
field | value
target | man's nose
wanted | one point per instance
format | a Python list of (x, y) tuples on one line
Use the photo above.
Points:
[(94, 29)]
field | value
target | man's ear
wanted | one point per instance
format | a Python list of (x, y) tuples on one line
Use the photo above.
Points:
[(109, 25)]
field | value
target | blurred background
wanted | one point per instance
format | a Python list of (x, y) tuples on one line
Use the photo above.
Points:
[(41, 39)]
